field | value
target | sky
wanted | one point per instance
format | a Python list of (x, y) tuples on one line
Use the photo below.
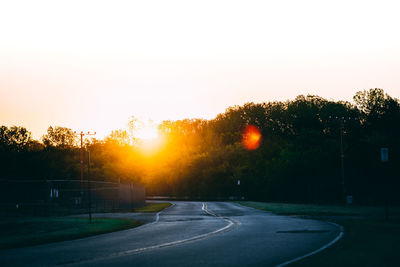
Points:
[(90, 65)]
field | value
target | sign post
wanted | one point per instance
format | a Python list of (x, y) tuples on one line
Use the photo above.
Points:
[(239, 193), (385, 159)]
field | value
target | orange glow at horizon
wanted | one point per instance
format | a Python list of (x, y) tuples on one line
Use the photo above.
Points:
[(89, 74), (151, 145), (251, 137)]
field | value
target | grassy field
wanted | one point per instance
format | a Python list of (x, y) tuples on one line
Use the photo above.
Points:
[(153, 207), (368, 239), (26, 231)]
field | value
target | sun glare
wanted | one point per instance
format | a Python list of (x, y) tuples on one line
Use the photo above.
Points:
[(147, 133), (251, 137), (149, 140)]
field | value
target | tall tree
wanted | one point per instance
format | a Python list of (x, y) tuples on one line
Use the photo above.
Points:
[(60, 137), (14, 138)]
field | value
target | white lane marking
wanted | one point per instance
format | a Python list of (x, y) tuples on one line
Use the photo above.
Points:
[(204, 207), (318, 250), (177, 242), (158, 214), (219, 216)]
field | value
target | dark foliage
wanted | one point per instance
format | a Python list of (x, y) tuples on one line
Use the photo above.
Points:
[(298, 159)]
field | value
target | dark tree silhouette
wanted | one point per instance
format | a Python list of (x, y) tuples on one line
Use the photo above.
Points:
[(296, 160)]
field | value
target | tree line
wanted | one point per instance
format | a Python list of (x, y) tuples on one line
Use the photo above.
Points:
[(299, 158)]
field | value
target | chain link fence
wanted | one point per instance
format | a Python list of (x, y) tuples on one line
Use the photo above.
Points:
[(64, 197)]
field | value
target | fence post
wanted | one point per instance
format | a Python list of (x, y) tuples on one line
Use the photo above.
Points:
[(131, 187)]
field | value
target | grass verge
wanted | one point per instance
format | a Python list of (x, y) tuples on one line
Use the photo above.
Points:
[(368, 239), (26, 231), (153, 207)]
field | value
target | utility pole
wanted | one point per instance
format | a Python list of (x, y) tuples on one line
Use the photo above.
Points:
[(343, 120), (89, 189), (342, 157), (82, 134)]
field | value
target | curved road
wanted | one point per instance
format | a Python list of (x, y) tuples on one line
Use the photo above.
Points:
[(189, 234)]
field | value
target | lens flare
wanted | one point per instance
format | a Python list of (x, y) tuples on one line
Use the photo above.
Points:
[(251, 137)]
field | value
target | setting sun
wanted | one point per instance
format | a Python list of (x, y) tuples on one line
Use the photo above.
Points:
[(148, 132), (148, 139)]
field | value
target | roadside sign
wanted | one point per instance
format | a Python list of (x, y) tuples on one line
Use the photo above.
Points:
[(349, 200), (384, 154), (53, 193)]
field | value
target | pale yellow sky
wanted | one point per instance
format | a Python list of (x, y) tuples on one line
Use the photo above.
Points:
[(90, 65)]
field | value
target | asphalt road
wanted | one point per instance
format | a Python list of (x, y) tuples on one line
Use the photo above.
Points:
[(188, 234)]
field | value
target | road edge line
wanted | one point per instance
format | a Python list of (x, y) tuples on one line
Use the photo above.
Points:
[(337, 238)]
